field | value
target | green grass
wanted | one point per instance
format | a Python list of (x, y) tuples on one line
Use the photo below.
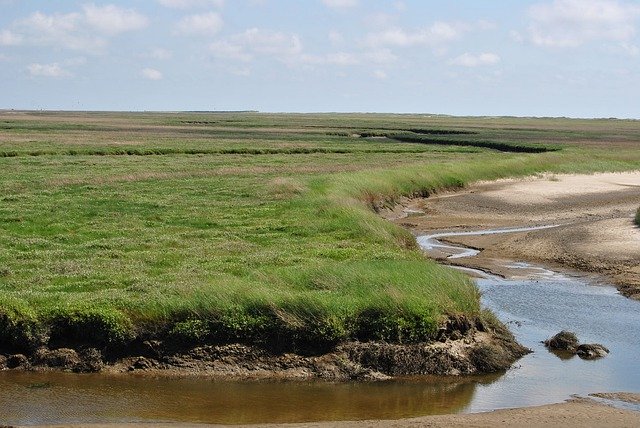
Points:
[(248, 227), (637, 218)]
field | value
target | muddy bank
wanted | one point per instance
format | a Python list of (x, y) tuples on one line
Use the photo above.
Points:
[(462, 347), (593, 213)]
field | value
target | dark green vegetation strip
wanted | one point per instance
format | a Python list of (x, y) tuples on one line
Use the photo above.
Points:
[(637, 218), (487, 144), (177, 151), (284, 249)]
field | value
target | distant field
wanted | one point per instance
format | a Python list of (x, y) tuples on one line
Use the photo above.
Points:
[(252, 227)]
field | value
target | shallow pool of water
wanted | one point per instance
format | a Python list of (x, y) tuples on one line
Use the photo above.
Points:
[(534, 308)]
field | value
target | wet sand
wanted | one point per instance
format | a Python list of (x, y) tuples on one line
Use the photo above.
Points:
[(596, 232)]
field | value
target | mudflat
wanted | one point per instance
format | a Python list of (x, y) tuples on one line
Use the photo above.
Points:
[(594, 216)]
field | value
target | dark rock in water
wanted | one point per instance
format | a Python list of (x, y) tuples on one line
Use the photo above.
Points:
[(17, 360), (563, 341), (591, 351), (567, 341)]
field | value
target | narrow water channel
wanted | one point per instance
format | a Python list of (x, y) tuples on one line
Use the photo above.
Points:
[(534, 308)]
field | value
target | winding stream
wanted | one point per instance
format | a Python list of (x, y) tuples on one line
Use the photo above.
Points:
[(535, 308)]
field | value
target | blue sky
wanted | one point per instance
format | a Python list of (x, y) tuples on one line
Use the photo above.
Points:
[(578, 58)]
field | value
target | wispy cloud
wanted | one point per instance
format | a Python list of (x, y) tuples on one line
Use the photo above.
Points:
[(9, 38), (573, 23), (47, 70), (111, 19), (86, 30), (151, 74), (471, 60), (191, 4), (200, 24), (340, 4), (257, 42), (434, 35), (380, 74)]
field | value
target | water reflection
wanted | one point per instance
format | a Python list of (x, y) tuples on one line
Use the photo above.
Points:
[(98, 398)]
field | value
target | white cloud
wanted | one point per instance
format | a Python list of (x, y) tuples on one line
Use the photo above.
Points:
[(244, 71), (191, 4), (337, 58), (230, 50), (47, 70), (435, 35), (59, 31), (9, 38), (151, 74), (470, 60), (254, 41), (630, 49), (203, 24), (343, 59), (340, 4), (379, 74), (572, 23), (381, 56), (288, 48), (88, 30), (111, 19)]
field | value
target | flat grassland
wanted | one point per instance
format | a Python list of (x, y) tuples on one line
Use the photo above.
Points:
[(258, 228)]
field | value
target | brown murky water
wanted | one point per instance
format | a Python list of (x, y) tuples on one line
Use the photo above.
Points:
[(32, 398)]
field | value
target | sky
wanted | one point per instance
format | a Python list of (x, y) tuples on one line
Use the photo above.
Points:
[(575, 58)]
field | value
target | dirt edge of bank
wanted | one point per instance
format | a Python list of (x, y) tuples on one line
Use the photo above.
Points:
[(463, 346)]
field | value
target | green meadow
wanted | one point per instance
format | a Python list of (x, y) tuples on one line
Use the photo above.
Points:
[(248, 227)]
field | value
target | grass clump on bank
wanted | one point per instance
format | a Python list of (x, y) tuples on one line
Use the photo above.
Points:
[(637, 217), (209, 243)]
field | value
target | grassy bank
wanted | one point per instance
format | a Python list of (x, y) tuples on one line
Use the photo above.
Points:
[(637, 218), (246, 227)]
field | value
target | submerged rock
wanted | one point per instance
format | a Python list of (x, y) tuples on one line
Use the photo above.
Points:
[(563, 341), (591, 351), (568, 341)]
